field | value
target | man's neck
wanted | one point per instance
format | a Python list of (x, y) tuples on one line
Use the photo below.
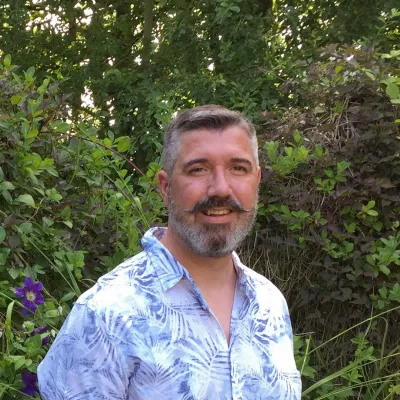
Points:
[(208, 273)]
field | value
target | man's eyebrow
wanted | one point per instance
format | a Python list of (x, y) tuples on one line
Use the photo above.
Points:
[(205, 160), (195, 161), (241, 160)]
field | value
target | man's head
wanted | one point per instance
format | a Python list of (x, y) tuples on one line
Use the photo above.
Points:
[(210, 179)]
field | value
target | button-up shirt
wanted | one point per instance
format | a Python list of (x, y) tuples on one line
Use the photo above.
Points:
[(145, 332)]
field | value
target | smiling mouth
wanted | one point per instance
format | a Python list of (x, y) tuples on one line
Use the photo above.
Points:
[(217, 212)]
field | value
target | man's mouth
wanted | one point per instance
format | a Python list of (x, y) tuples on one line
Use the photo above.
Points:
[(224, 211)]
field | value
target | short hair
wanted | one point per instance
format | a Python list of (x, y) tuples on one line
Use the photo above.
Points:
[(211, 117)]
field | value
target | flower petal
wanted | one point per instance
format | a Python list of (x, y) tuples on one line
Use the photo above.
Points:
[(30, 305), (39, 330), (45, 341), (39, 299), (37, 287), (29, 391), (19, 292), (28, 283)]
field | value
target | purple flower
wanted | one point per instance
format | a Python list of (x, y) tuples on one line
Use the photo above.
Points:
[(45, 340), (31, 294), (39, 331), (29, 379)]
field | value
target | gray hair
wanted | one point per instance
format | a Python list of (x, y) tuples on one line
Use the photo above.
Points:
[(211, 117)]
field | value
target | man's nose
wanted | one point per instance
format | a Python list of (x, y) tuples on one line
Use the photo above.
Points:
[(219, 186)]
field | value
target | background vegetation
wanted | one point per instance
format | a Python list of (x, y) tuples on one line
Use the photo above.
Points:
[(84, 99)]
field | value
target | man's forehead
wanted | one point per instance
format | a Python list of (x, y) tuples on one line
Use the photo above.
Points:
[(227, 144)]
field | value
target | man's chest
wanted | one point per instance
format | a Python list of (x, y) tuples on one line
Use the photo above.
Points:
[(178, 350)]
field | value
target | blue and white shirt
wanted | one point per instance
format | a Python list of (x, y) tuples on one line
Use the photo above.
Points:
[(145, 332)]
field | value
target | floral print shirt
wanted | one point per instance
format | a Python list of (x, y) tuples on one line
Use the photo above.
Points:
[(145, 332)]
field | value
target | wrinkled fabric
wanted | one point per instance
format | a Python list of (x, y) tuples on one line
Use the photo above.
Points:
[(145, 332)]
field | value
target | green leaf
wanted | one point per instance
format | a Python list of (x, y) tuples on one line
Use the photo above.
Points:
[(373, 213), (285, 209), (3, 234), (6, 186), (107, 142), (124, 144), (33, 343), (19, 362), (8, 322), (349, 247), (68, 223), (297, 137), (52, 313), (14, 272), (392, 90), (30, 72), (32, 134), (395, 292), (338, 69), (7, 196), (15, 99), (4, 252), (371, 204), (319, 151), (383, 292), (66, 212), (370, 259), (343, 165), (370, 75), (384, 269), (235, 9), (47, 222), (110, 134), (52, 194), (350, 228), (272, 149), (7, 61), (68, 296), (26, 199), (60, 126)]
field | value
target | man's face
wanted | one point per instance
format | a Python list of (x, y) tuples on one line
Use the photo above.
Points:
[(213, 191)]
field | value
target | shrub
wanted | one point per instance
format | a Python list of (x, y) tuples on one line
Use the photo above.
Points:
[(72, 207), (328, 226)]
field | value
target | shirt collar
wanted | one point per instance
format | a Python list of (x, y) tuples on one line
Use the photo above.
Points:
[(169, 270)]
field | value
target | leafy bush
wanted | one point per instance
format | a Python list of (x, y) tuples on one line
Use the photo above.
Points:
[(72, 207), (330, 213)]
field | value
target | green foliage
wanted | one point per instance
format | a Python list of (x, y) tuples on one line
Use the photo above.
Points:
[(329, 203), (71, 208), (365, 373)]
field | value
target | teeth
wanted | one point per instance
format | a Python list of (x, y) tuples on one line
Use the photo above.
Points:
[(217, 212)]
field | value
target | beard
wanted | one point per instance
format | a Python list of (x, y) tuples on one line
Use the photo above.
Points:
[(211, 240)]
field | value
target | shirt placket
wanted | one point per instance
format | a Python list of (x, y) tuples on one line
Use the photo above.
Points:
[(236, 321)]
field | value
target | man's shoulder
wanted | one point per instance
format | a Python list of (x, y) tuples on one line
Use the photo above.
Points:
[(118, 286), (262, 286)]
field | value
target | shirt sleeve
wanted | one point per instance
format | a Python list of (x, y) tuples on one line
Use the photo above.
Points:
[(83, 363)]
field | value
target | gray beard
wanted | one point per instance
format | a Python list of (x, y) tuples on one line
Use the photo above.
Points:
[(209, 240)]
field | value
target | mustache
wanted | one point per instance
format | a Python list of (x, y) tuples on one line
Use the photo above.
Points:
[(231, 203)]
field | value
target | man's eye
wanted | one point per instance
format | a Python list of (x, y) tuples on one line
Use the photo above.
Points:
[(197, 169), (240, 168)]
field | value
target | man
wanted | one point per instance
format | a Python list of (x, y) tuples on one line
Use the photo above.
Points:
[(184, 319)]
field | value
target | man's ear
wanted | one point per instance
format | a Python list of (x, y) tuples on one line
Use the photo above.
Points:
[(259, 174), (162, 179)]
